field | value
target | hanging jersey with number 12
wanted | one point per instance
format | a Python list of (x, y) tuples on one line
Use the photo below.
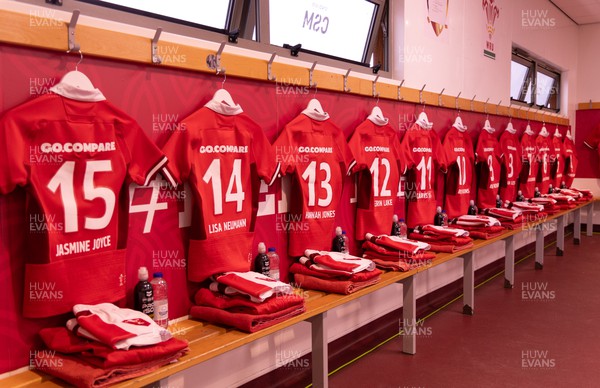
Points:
[(222, 154), (379, 163), (73, 157), (317, 155)]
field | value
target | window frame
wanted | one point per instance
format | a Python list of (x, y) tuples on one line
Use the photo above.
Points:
[(534, 67)]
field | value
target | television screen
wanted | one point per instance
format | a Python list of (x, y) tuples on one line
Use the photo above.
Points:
[(339, 28)]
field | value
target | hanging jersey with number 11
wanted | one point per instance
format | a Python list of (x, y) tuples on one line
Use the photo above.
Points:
[(423, 151), (379, 163), (222, 153), (73, 157), (317, 155), (458, 147)]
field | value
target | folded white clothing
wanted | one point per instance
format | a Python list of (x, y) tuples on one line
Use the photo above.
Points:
[(527, 207), (118, 327), (322, 257), (477, 220)]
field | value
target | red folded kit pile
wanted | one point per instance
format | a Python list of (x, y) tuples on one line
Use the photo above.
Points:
[(104, 345), (563, 201), (443, 239), (480, 226), (550, 206), (395, 253), (334, 272), (580, 196), (248, 301), (531, 212), (509, 218)]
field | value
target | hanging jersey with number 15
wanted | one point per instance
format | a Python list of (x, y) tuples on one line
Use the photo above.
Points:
[(222, 153), (317, 155), (73, 157)]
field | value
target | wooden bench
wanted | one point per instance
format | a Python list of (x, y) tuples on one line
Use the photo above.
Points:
[(207, 341)]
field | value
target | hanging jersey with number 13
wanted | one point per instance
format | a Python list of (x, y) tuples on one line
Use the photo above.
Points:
[(317, 155), (222, 153), (73, 157)]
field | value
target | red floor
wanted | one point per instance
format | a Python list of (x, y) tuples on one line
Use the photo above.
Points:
[(545, 332)]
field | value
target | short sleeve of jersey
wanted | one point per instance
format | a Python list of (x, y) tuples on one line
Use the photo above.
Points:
[(177, 150), (13, 155), (267, 165), (438, 151), (283, 146), (143, 157), (345, 154), (593, 140)]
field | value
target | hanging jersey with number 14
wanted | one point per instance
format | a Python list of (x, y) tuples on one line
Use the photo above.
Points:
[(73, 157), (222, 154)]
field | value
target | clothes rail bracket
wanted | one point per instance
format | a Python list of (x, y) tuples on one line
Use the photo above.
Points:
[(270, 75), (156, 59), (346, 88), (72, 43)]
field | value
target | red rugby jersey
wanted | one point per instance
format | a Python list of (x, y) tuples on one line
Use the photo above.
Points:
[(458, 148), (487, 157)]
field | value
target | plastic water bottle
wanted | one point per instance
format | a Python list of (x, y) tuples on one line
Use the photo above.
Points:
[(563, 185), (438, 220), (403, 229), (550, 189), (262, 264), (536, 193), (395, 226), (143, 299), (338, 243), (444, 218), (274, 263), (345, 246), (498, 202), (472, 208), (520, 197), (161, 301)]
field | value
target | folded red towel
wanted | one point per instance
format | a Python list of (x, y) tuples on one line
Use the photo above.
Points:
[(241, 304), (297, 268), (345, 287), (245, 322)]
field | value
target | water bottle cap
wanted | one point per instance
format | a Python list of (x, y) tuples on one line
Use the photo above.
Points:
[(343, 232), (262, 248), (472, 203), (158, 274), (438, 209), (395, 218), (271, 249), (338, 231), (443, 211), (143, 273), (401, 219)]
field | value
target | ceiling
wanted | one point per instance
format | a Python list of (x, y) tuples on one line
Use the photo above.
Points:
[(581, 11)]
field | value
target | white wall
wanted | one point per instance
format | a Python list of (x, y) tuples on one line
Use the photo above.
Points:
[(588, 84)]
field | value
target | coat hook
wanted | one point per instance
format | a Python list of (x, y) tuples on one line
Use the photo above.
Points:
[(498, 107), (440, 97), (346, 88), (156, 59), (270, 75), (399, 91), (312, 84), (421, 100), (375, 94), (473, 99), (213, 61), (456, 101), (72, 43), (485, 106)]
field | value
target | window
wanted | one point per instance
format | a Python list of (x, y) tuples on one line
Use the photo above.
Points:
[(534, 83), (337, 28), (217, 16)]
